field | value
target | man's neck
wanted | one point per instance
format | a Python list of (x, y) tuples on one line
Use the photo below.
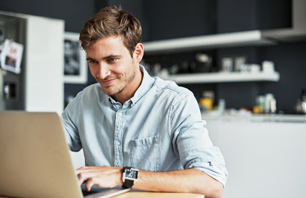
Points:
[(127, 94)]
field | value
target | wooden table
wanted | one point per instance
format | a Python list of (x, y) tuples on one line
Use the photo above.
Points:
[(155, 195), (143, 194), (158, 195)]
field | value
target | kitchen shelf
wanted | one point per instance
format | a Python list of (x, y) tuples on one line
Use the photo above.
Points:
[(253, 37), (222, 77)]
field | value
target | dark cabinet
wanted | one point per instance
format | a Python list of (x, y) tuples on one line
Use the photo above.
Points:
[(162, 20), (176, 19), (244, 15)]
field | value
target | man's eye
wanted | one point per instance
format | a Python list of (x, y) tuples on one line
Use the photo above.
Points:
[(111, 60), (92, 61)]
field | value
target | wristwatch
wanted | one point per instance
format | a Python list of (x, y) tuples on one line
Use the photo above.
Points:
[(129, 177)]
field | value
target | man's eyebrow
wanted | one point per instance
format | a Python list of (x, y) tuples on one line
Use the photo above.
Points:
[(106, 57), (88, 58), (111, 56)]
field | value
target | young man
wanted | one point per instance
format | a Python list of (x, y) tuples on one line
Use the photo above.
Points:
[(129, 120)]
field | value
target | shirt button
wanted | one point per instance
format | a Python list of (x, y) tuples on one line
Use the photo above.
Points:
[(117, 143)]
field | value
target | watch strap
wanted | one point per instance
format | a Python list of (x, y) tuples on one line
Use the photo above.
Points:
[(128, 183)]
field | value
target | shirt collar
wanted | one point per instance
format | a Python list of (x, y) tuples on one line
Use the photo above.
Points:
[(146, 84)]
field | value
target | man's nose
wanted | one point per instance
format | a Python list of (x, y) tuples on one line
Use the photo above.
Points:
[(103, 71)]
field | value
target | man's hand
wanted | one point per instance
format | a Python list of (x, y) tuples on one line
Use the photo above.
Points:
[(102, 176)]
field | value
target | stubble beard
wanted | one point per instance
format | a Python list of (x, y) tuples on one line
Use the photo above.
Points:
[(123, 83)]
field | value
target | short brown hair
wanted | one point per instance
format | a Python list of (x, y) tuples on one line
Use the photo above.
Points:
[(112, 22)]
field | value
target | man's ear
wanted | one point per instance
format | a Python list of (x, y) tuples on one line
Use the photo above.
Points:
[(138, 52)]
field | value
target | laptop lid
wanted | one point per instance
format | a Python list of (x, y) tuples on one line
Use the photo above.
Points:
[(35, 159)]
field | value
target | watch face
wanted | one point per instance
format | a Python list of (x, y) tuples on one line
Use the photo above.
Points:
[(130, 173)]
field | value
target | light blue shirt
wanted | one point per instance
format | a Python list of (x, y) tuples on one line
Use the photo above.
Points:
[(158, 129)]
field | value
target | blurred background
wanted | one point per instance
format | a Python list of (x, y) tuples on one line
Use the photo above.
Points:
[(164, 20), (244, 60)]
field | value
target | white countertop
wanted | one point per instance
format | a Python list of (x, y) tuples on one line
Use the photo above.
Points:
[(255, 118)]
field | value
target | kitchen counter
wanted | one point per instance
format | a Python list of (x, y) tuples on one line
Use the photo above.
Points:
[(264, 154), (255, 118)]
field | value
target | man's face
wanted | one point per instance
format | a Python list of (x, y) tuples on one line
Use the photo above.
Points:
[(113, 67)]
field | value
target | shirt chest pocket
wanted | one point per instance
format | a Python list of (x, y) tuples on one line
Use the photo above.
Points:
[(144, 153)]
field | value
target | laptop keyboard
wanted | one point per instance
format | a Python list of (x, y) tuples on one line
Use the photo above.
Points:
[(86, 193)]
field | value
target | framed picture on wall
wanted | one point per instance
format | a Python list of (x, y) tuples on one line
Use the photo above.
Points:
[(75, 65)]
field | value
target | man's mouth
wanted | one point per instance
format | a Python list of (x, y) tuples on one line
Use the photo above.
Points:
[(106, 82)]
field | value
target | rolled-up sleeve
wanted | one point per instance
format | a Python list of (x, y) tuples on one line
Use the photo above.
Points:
[(209, 161), (191, 139)]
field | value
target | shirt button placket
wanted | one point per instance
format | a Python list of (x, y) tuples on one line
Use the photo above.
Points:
[(118, 135)]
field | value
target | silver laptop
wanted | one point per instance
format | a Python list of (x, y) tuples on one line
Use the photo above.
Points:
[(35, 159)]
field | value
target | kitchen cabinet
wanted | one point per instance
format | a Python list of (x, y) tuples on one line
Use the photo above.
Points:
[(239, 24), (163, 20), (237, 15)]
